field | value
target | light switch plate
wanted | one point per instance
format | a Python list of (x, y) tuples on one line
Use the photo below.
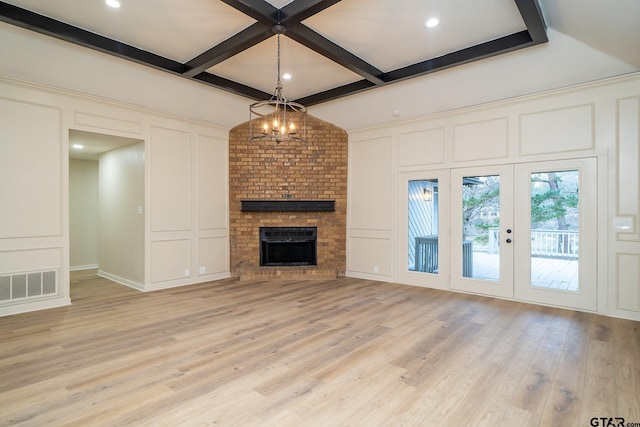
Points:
[(623, 224)]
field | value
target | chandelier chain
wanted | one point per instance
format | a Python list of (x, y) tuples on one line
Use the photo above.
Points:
[(279, 82)]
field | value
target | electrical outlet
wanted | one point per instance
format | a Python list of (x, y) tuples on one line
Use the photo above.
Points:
[(375, 269), (202, 270), (187, 273)]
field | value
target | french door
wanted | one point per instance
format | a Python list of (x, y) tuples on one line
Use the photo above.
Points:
[(526, 231), (424, 246), (556, 258), (482, 230)]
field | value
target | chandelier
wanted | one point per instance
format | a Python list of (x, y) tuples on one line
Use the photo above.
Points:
[(277, 119)]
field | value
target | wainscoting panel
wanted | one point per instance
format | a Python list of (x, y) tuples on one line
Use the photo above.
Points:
[(31, 167), (170, 260), (370, 172), (212, 179), (421, 148), (480, 140), (170, 160), (628, 279), (628, 162), (559, 130), (213, 255), (370, 255)]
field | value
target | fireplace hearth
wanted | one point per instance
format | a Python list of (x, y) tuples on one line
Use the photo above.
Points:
[(288, 246)]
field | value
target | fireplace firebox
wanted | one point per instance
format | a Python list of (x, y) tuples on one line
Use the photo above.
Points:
[(282, 246)]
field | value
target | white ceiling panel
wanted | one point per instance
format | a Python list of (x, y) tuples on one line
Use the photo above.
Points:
[(392, 35), (174, 29), (311, 72)]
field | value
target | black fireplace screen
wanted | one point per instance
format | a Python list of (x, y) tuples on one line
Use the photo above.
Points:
[(288, 246)]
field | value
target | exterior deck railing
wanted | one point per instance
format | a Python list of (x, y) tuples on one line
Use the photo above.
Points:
[(544, 243), (426, 248)]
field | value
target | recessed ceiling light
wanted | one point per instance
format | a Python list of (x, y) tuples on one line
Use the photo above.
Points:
[(286, 76), (78, 146), (113, 3), (433, 22)]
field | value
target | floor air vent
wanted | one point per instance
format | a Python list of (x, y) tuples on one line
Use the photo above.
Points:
[(27, 285)]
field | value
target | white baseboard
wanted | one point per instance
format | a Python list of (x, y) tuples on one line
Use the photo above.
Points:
[(84, 267), (122, 281)]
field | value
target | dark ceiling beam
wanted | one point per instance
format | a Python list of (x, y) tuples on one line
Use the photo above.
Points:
[(314, 41), (533, 20), (295, 11), (474, 53), (267, 16), (535, 34), (246, 38), (336, 93), (300, 10), (259, 10), (51, 27), (291, 15), (231, 86)]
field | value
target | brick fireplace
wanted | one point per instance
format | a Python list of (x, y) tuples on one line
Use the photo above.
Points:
[(285, 174)]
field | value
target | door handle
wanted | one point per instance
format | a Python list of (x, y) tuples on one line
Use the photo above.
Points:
[(508, 240)]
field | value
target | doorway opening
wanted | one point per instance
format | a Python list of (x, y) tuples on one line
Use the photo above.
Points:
[(106, 206)]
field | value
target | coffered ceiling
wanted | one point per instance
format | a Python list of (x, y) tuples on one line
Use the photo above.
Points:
[(331, 48)]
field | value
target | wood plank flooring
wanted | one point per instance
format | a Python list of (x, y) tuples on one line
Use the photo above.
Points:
[(344, 352)]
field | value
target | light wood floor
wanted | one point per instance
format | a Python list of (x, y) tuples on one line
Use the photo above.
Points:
[(345, 352)]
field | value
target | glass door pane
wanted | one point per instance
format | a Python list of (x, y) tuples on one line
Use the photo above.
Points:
[(555, 229), (422, 226), (423, 218), (481, 227)]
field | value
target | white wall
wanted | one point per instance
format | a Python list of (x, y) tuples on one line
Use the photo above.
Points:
[(33, 196), (83, 214), (121, 217), (185, 193), (188, 205), (34, 57), (600, 120)]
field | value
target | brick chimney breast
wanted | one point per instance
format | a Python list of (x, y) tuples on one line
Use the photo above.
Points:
[(289, 171)]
